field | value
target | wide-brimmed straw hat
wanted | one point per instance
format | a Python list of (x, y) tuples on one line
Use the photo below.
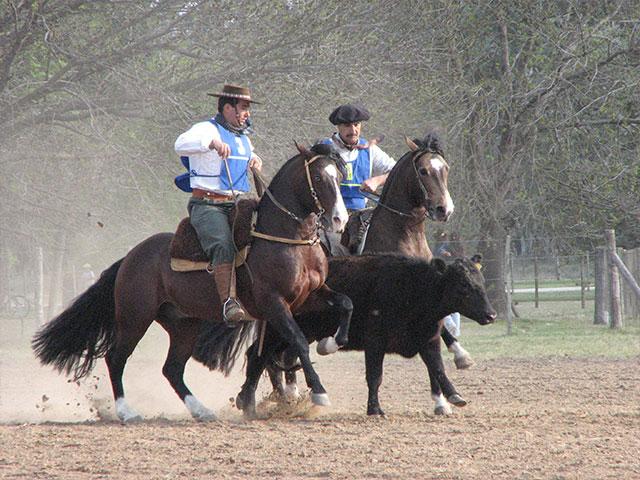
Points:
[(234, 91)]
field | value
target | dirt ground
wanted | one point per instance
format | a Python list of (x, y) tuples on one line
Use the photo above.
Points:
[(548, 418)]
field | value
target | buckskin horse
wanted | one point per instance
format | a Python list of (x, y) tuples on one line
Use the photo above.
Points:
[(285, 268)]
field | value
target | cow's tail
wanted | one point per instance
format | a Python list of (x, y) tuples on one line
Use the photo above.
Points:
[(84, 332)]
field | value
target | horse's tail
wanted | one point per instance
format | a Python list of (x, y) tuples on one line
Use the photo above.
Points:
[(219, 345), (84, 332)]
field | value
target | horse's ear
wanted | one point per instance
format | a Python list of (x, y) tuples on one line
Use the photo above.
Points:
[(439, 265), (301, 148), (411, 144)]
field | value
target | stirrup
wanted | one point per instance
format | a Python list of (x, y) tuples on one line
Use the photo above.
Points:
[(229, 303)]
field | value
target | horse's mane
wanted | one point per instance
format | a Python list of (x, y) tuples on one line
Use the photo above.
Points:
[(326, 150), (431, 143)]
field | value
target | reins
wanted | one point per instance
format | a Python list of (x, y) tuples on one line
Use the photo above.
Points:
[(376, 198), (314, 195)]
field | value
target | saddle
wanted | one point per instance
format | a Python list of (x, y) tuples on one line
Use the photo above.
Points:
[(186, 252)]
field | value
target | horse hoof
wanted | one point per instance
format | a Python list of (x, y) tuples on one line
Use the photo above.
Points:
[(327, 346), (136, 418), (291, 393), (375, 411), (206, 417), (462, 363), (457, 400), (320, 399), (440, 410)]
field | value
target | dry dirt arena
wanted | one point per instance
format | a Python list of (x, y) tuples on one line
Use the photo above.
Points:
[(547, 418)]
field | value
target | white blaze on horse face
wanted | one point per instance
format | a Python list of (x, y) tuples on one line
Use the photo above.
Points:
[(438, 164), (339, 215)]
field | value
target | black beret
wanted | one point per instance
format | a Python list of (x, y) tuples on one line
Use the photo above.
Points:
[(349, 114)]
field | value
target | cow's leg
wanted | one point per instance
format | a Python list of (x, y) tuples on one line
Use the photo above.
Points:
[(374, 360), (331, 305), (275, 376), (442, 390), (288, 363), (461, 357), (246, 399), (291, 364)]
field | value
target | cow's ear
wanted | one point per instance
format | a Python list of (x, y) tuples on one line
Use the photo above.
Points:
[(477, 258), (439, 265)]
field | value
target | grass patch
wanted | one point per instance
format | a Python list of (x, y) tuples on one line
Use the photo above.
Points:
[(554, 329), (545, 283)]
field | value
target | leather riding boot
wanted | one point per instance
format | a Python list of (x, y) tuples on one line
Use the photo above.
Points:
[(225, 278)]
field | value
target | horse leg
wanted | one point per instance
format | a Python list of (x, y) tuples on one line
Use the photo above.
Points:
[(279, 316), (461, 357), (440, 383), (183, 333), (374, 359), (116, 360)]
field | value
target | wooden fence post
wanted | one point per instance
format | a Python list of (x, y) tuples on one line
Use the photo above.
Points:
[(535, 280), (582, 286), (629, 296), (601, 312), (39, 289), (507, 283), (614, 280)]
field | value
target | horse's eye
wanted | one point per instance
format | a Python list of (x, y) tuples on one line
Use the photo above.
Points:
[(317, 178), (423, 171)]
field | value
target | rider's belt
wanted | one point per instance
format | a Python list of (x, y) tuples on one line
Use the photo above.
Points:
[(213, 196)]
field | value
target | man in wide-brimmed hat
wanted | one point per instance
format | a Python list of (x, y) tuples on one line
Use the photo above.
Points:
[(367, 165), (218, 155)]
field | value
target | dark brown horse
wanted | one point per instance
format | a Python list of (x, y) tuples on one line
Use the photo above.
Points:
[(111, 317), (416, 189)]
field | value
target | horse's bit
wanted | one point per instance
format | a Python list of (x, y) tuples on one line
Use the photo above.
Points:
[(376, 198)]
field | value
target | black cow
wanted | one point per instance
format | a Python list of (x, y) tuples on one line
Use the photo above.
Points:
[(399, 303)]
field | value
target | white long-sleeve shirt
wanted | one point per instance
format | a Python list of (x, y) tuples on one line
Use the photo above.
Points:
[(194, 143), (381, 162)]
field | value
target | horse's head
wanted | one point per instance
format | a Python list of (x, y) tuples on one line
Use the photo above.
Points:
[(324, 169), (432, 172)]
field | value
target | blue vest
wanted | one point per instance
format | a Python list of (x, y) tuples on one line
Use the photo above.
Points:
[(357, 172), (238, 162)]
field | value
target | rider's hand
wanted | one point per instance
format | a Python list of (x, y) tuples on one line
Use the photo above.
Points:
[(256, 162), (369, 185), (222, 148)]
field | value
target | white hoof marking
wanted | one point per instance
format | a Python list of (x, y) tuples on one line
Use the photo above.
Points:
[(442, 406), (291, 392), (461, 357), (125, 413), (327, 346), (321, 399), (198, 410)]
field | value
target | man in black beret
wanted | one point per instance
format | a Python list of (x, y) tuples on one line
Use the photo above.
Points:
[(367, 165)]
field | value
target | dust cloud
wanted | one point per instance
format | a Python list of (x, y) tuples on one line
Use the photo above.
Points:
[(31, 393)]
